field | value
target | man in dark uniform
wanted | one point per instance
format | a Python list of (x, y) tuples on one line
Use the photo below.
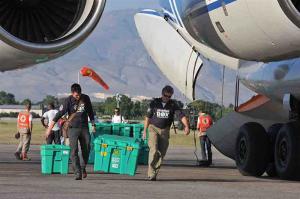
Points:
[(80, 105), (159, 118)]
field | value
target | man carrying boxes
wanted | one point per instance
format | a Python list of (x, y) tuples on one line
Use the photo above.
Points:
[(160, 116)]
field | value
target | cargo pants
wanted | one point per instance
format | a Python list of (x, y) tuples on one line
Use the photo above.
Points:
[(206, 148), (83, 136), (24, 143), (158, 145)]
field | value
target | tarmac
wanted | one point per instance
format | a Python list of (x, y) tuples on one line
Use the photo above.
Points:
[(179, 178)]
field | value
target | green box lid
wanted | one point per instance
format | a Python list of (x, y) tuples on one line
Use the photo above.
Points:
[(118, 141), (54, 147)]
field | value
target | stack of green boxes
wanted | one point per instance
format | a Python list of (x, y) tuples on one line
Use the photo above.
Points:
[(101, 129), (55, 159), (121, 129), (116, 154)]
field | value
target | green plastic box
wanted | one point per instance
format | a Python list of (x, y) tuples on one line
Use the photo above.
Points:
[(126, 130), (117, 128), (121, 129), (138, 130), (116, 154), (144, 152), (55, 159), (101, 128), (92, 152), (143, 155)]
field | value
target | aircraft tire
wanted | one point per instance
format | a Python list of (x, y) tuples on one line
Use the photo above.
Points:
[(252, 149), (287, 150), (272, 133)]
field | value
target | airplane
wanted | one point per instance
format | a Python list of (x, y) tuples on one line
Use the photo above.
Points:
[(36, 31), (260, 40)]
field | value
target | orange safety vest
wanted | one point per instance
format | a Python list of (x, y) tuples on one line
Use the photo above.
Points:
[(23, 120), (204, 122)]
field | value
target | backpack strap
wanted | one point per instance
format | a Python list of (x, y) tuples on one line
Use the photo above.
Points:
[(73, 114)]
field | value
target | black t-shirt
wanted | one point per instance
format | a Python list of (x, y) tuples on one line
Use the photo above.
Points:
[(84, 111), (162, 116)]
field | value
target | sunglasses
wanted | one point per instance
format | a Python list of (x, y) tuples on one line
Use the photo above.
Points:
[(167, 96)]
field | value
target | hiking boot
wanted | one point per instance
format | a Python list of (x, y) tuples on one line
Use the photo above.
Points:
[(84, 173), (25, 157), (78, 176), (152, 178), (18, 155)]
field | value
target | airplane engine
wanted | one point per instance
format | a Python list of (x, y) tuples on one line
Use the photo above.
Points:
[(35, 31), (254, 30)]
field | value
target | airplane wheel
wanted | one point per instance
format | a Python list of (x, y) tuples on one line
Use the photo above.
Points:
[(272, 133), (252, 149), (287, 150)]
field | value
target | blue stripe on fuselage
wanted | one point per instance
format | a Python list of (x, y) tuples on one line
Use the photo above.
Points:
[(176, 12), (213, 6)]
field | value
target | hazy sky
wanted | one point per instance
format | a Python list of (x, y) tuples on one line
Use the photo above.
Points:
[(126, 4)]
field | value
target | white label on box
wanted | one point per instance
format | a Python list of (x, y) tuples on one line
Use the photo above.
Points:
[(115, 166), (65, 152), (115, 162)]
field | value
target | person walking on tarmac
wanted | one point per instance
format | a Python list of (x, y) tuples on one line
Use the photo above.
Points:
[(24, 126), (204, 123), (159, 118), (49, 116), (79, 108)]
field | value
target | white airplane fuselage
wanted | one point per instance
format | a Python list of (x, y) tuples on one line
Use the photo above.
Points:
[(260, 39), (256, 37)]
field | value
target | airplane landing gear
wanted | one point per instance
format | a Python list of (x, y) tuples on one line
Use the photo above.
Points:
[(287, 151), (272, 133), (277, 152), (252, 149)]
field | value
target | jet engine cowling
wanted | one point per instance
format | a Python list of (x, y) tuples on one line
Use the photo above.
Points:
[(254, 30), (35, 31)]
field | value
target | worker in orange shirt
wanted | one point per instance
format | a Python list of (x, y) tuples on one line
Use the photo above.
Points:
[(204, 123), (25, 130)]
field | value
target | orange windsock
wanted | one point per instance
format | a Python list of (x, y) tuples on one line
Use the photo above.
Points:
[(88, 72)]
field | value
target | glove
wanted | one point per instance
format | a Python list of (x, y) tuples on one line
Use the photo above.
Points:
[(17, 135)]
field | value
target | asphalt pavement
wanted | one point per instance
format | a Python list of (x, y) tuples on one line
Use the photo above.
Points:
[(179, 178)]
